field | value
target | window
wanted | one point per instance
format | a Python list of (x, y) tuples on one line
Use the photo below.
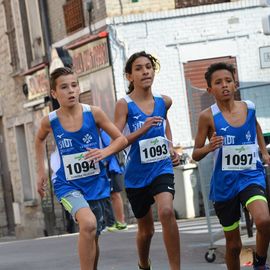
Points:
[(24, 163), (73, 13), (11, 33)]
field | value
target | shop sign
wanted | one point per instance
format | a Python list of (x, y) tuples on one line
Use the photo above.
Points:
[(91, 57), (38, 84)]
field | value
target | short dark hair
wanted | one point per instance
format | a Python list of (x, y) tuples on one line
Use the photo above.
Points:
[(218, 66), (57, 73), (128, 68)]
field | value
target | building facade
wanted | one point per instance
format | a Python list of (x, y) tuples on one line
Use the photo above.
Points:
[(98, 36)]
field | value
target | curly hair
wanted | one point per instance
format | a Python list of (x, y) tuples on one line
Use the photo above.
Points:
[(128, 68), (218, 66)]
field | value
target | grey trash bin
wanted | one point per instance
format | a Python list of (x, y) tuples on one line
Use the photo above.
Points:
[(186, 199)]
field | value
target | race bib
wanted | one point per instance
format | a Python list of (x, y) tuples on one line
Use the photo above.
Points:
[(77, 167), (239, 157), (154, 149)]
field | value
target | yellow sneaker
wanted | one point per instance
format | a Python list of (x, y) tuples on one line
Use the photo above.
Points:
[(117, 226)]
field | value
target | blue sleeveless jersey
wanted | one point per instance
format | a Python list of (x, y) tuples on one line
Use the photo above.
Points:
[(70, 170), (140, 174), (235, 167)]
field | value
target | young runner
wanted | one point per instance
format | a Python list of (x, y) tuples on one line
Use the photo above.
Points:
[(149, 174), (238, 175), (80, 182)]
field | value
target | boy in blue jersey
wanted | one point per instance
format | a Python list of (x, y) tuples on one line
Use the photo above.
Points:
[(238, 175), (79, 178), (149, 168)]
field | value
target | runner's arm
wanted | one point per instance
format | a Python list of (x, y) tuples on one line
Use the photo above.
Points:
[(118, 140), (205, 129), (40, 140), (120, 119), (261, 143)]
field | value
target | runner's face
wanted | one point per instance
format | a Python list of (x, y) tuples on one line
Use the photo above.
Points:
[(142, 74), (67, 90), (222, 85)]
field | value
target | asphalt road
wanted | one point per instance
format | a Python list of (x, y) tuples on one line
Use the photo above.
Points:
[(117, 250)]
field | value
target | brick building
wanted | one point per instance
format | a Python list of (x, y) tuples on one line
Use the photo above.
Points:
[(99, 35)]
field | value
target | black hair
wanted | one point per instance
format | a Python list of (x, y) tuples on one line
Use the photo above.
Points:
[(128, 68), (218, 66), (57, 73)]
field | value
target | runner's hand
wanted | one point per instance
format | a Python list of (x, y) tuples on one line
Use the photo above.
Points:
[(151, 121), (266, 158), (175, 158), (215, 142), (42, 185), (95, 154)]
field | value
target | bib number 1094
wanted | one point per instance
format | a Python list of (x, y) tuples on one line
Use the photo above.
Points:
[(77, 167)]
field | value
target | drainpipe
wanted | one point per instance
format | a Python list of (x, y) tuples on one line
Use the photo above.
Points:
[(44, 16)]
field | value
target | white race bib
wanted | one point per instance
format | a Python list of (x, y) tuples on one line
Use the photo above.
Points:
[(77, 167), (239, 157), (154, 149)]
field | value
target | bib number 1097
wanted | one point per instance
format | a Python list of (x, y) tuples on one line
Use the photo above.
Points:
[(239, 157)]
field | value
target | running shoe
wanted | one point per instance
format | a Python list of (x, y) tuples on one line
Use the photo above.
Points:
[(117, 226), (148, 268)]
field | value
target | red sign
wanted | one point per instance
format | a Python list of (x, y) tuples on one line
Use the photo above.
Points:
[(91, 57), (38, 84)]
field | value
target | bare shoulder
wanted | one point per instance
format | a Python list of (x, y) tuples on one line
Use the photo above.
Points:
[(45, 123), (121, 105), (168, 101), (206, 116), (44, 129), (95, 109)]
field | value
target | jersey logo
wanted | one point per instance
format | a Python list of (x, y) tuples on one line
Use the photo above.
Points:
[(87, 138), (228, 139), (137, 125), (60, 136), (65, 143), (225, 129), (137, 116), (248, 136)]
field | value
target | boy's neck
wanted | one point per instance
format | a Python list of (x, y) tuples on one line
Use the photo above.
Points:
[(142, 94), (70, 110), (226, 105)]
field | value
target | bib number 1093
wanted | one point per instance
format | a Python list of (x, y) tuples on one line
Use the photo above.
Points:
[(154, 149)]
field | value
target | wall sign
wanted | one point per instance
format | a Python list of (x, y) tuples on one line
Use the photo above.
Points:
[(91, 57)]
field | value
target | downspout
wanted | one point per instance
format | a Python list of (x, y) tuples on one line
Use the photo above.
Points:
[(44, 16), (121, 7), (115, 41)]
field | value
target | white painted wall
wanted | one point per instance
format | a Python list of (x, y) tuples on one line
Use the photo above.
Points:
[(178, 36)]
